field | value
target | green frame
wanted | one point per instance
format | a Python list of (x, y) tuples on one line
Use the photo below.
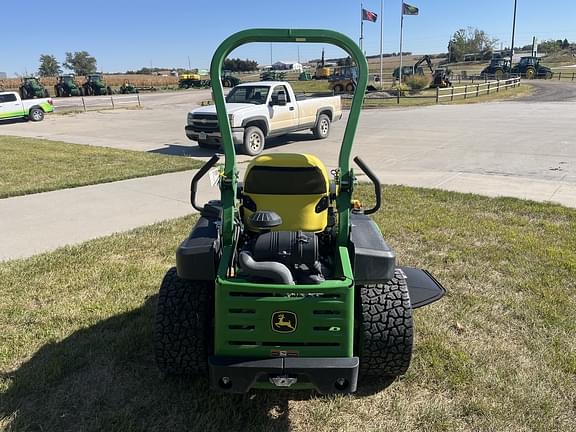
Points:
[(234, 296), (229, 180)]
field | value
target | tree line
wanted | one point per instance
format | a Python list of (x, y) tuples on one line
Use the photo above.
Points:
[(81, 62), (239, 65), (475, 41), (551, 46)]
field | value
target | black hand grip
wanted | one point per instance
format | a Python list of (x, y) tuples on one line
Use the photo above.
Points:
[(201, 173), (375, 181)]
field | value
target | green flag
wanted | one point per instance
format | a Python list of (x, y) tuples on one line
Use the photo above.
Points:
[(409, 10)]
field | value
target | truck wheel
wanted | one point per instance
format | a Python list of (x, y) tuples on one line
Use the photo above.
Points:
[(36, 115), (498, 74), (350, 87), (322, 128), (530, 73), (253, 141), (548, 75), (183, 333), (385, 330), (338, 89)]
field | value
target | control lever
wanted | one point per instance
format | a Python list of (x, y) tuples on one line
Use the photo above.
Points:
[(201, 173), (375, 181)]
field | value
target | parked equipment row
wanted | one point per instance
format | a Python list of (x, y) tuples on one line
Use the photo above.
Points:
[(66, 86)]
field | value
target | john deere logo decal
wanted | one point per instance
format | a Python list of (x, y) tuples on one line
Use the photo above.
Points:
[(284, 322)]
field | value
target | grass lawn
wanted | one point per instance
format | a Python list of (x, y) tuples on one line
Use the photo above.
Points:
[(497, 353), (34, 165)]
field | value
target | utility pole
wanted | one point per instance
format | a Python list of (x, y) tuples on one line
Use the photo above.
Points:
[(381, 40), (361, 27), (401, 37), (189, 67), (270, 54), (513, 30)]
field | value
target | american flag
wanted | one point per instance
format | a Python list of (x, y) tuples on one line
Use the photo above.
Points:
[(368, 15)]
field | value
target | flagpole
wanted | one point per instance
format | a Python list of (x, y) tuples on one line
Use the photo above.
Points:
[(361, 27), (401, 37), (381, 38)]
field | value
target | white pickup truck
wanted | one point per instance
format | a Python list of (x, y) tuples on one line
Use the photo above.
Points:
[(264, 109), (12, 106)]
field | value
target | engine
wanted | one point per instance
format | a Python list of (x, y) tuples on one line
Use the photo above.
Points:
[(285, 257)]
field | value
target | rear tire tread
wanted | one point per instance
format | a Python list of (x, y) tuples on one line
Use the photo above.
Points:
[(183, 325), (386, 328)]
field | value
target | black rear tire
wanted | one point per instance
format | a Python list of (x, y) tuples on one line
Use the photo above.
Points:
[(386, 330), (184, 319)]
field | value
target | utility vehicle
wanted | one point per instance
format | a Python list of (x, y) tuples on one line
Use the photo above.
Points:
[(286, 282)]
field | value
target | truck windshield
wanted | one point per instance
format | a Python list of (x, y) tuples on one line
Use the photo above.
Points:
[(256, 95)]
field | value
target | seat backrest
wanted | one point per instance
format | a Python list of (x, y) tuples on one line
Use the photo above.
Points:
[(295, 186)]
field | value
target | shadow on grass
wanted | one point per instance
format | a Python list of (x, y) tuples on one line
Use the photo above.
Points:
[(104, 377)]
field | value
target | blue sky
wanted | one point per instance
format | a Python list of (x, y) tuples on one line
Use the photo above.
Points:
[(129, 35)]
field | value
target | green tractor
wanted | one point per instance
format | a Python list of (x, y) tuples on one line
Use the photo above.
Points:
[(31, 88), (95, 86), (66, 86), (128, 88), (530, 68), (498, 68), (229, 80), (285, 282)]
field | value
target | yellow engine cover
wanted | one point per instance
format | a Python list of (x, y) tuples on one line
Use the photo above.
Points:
[(295, 186)]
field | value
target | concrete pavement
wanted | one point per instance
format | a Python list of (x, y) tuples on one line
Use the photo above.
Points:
[(32, 224)]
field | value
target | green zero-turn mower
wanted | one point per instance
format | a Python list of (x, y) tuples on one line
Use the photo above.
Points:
[(286, 282)]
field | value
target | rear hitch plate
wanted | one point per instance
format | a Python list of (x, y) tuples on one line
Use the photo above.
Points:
[(283, 381)]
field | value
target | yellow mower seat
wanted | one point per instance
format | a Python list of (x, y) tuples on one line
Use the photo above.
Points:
[(295, 186)]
